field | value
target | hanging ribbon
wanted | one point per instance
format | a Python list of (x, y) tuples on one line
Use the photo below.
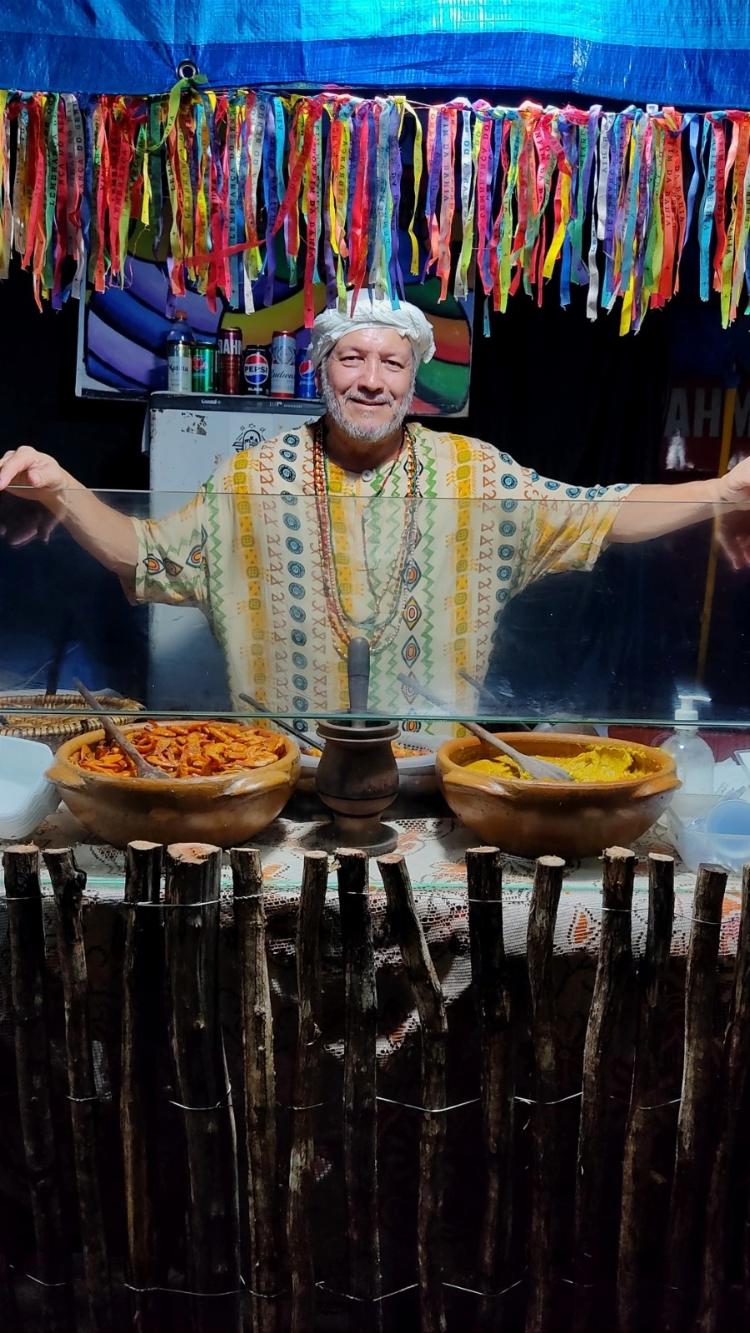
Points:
[(468, 197), (605, 200)]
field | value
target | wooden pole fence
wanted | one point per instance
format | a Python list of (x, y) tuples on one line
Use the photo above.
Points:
[(652, 1247)]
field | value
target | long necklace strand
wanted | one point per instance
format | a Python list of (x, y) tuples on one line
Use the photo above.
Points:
[(340, 619)]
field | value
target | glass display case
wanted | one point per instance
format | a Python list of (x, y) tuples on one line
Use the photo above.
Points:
[(511, 613), (507, 611)]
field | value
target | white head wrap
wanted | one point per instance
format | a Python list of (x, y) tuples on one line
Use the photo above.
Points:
[(371, 312)]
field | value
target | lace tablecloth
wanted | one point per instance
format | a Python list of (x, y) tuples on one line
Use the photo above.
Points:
[(435, 849)]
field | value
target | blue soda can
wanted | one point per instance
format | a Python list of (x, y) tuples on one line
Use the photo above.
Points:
[(306, 386)]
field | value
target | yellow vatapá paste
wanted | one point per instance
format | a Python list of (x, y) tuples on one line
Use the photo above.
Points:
[(597, 763)]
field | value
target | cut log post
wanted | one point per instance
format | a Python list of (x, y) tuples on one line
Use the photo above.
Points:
[(260, 1086), (613, 974), (493, 1007), (407, 931), (689, 1183), (305, 1094), (203, 1098), (142, 978), (68, 884), (30, 1012), (360, 1106), (544, 1226), (635, 1291), (731, 1127)]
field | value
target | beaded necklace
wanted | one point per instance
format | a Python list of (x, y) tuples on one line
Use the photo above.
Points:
[(380, 632)]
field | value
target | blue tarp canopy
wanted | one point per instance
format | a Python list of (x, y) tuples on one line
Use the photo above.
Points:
[(692, 54)]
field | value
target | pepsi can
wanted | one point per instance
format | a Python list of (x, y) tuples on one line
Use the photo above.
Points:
[(283, 356), (256, 370), (305, 385)]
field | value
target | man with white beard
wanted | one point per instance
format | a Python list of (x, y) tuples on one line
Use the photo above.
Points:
[(363, 525)]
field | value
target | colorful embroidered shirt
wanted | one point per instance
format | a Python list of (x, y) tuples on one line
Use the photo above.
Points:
[(425, 580)]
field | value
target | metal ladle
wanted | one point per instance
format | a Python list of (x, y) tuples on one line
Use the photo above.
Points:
[(538, 768)]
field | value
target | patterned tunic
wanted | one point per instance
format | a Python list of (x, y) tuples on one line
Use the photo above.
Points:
[(424, 580)]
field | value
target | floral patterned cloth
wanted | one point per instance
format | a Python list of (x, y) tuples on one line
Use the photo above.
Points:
[(425, 579)]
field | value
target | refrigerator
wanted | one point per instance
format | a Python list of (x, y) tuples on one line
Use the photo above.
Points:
[(188, 436)]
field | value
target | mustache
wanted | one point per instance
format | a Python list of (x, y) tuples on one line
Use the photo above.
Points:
[(376, 400)]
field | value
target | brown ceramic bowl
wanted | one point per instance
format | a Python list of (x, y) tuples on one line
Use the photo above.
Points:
[(569, 819), (225, 810)]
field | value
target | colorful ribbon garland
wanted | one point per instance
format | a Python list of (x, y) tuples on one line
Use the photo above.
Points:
[(348, 189)]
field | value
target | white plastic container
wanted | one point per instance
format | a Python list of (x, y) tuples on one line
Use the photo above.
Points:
[(26, 795), (701, 836), (692, 755)]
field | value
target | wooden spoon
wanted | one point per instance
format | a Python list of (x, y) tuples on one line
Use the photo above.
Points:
[(538, 768), (142, 766)]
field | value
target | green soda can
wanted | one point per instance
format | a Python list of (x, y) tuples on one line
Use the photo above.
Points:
[(204, 365)]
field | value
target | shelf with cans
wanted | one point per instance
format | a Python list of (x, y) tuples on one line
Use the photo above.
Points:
[(259, 405), (280, 370)]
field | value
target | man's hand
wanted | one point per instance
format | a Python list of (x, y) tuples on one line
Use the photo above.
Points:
[(733, 537), (21, 522), (109, 536), (30, 475), (654, 510), (734, 486)]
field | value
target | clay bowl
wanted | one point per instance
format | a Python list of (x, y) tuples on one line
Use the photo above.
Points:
[(225, 810), (569, 819)]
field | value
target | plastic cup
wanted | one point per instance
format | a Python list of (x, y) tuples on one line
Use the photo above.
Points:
[(728, 833)]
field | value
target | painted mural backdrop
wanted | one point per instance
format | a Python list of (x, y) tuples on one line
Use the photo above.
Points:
[(124, 332)]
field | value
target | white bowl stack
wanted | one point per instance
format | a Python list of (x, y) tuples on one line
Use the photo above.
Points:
[(26, 795)]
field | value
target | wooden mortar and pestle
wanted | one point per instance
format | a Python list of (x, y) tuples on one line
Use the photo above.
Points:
[(357, 777)]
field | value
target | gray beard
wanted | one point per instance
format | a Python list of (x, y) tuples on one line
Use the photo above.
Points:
[(362, 434)]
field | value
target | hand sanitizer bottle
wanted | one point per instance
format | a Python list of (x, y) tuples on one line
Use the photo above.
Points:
[(693, 756)]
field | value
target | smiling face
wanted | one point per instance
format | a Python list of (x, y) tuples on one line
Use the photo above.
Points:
[(367, 383)]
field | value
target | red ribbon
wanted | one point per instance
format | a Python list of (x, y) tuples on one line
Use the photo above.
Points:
[(360, 210)]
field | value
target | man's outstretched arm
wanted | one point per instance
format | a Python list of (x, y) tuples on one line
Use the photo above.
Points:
[(651, 511)]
